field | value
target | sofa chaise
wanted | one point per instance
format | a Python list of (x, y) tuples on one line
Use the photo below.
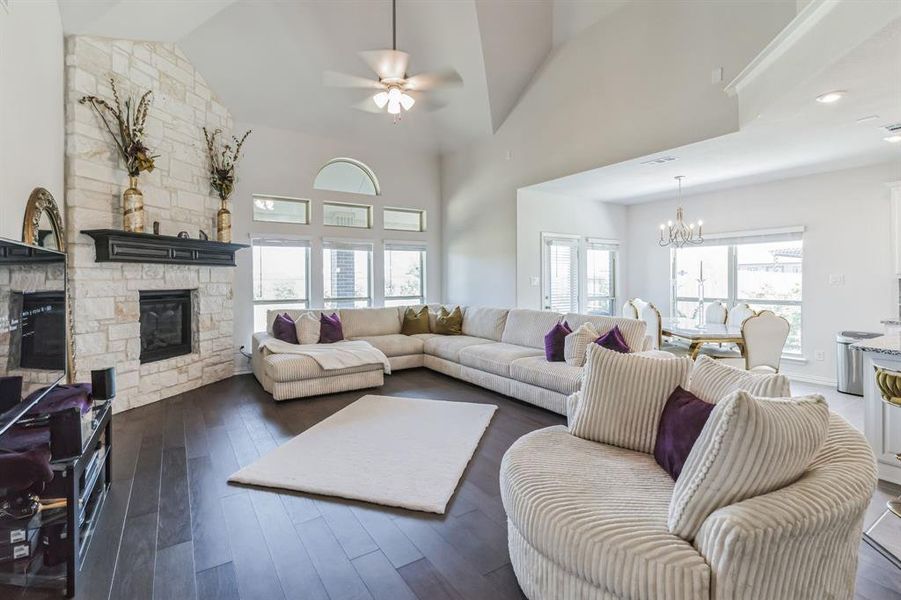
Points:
[(500, 349)]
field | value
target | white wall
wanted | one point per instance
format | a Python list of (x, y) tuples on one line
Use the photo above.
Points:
[(32, 130), (285, 163), (541, 212), (635, 83), (846, 216)]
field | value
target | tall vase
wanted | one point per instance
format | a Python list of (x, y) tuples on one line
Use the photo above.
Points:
[(224, 222), (133, 207)]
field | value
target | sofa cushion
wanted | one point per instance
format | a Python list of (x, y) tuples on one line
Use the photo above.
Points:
[(448, 347), (749, 446), (600, 512), (483, 322), (359, 322), (557, 376), (527, 327), (681, 423), (711, 381), (623, 396), (331, 329), (282, 368), (576, 343), (495, 357), (395, 344), (415, 321), (448, 322), (308, 327), (633, 330), (283, 329)]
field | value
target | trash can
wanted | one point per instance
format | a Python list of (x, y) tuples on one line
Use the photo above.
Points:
[(849, 362)]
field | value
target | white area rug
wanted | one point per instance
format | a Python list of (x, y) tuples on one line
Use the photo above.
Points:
[(405, 452)]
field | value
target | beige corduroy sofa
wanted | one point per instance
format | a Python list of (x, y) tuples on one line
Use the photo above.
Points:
[(500, 349)]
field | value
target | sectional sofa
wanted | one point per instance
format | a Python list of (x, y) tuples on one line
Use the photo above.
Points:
[(500, 349)]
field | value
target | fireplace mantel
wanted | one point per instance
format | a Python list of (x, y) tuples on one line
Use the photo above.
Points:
[(113, 245)]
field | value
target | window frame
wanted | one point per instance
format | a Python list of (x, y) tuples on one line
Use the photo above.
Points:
[(583, 244), (731, 243), (351, 161), (547, 240), (612, 247), (422, 248), (367, 207), (305, 201), (274, 240), (418, 211), (354, 245)]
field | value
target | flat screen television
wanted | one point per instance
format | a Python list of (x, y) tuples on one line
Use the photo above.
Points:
[(33, 331)]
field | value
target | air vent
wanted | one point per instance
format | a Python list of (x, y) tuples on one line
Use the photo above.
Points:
[(4, 4), (893, 129), (662, 160)]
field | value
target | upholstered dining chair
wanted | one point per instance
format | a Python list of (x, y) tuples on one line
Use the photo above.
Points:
[(764, 336), (648, 313), (628, 310), (738, 313), (715, 313)]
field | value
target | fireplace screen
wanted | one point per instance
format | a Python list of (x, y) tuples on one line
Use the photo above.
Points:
[(165, 324)]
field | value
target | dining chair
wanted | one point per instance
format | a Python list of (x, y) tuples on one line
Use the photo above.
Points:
[(628, 310), (764, 336), (715, 313), (738, 313), (648, 313)]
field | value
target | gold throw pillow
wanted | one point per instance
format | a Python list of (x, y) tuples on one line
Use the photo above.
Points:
[(415, 321), (449, 323)]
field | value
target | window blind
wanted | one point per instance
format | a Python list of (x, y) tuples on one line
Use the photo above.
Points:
[(562, 256)]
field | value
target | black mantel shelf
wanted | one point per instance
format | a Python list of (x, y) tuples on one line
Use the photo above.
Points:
[(114, 245)]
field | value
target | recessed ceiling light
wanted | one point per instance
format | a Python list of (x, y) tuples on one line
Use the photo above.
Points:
[(830, 97), (893, 139)]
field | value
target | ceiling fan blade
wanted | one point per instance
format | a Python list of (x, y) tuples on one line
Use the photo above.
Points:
[(367, 105), (343, 80), (389, 64), (446, 78)]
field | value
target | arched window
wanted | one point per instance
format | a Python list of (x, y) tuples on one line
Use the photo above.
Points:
[(347, 175)]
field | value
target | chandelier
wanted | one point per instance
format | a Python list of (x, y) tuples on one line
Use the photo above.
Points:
[(679, 233)]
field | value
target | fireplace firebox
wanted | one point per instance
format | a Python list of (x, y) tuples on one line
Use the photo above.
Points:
[(165, 324)]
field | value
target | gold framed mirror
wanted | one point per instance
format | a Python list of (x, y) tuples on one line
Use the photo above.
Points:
[(43, 224)]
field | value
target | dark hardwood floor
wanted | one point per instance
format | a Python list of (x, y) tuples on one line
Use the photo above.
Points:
[(173, 529)]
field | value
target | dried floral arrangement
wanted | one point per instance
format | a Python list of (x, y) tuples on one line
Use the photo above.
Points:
[(223, 162), (128, 133)]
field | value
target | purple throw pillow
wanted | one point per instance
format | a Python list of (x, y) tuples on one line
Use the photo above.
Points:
[(330, 330), (283, 329), (555, 340), (681, 422), (614, 340)]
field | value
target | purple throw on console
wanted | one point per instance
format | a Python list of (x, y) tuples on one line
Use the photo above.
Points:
[(555, 341), (330, 330), (681, 422), (283, 329), (614, 340)]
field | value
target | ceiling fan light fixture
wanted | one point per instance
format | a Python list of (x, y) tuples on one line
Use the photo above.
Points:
[(393, 107), (407, 101), (394, 94), (380, 99)]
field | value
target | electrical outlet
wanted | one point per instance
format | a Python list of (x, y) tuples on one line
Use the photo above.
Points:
[(534, 281), (819, 355)]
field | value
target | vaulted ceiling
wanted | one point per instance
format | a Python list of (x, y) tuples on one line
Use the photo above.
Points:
[(265, 59)]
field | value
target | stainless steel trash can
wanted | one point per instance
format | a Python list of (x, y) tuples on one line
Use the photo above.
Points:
[(849, 362)]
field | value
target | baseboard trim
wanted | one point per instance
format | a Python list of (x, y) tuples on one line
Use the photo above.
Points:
[(810, 379)]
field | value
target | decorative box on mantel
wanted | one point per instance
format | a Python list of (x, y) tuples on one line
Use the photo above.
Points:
[(113, 245)]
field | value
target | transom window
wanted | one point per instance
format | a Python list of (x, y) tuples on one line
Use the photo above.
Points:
[(347, 175), (404, 219), (280, 209), (764, 271), (404, 273), (347, 274), (281, 276), (341, 214)]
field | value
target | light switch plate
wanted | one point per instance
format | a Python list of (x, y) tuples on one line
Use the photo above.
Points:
[(534, 281), (819, 355), (836, 279)]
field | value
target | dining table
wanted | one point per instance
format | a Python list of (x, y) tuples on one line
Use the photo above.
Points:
[(699, 334)]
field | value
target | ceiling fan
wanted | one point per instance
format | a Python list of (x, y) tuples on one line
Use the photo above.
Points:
[(394, 91)]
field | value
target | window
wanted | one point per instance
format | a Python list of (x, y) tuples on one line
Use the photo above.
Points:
[(281, 276), (347, 274), (764, 271), (278, 209), (561, 273), (347, 175), (340, 214), (404, 219), (600, 277), (404, 273)]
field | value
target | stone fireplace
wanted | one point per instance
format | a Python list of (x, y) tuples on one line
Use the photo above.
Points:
[(107, 296), (166, 318)]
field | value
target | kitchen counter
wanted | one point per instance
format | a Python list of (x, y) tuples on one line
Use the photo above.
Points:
[(884, 344)]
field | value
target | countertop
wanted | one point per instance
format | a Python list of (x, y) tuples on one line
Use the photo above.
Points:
[(884, 344)]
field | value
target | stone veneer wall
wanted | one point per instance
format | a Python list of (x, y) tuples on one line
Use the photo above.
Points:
[(176, 193)]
